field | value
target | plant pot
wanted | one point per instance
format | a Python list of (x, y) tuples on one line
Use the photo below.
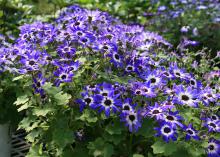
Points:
[(5, 145)]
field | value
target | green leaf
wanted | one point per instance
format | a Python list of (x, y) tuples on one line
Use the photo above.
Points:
[(147, 128), (167, 149), (50, 89), (24, 106), (88, 116), (62, 137), (116, 139), (18, 78), (35, 151), (62, 98), (21, 100), (99, 147), (33, 135), (29, 123), (42, 111), (108, 150), (115, 128), (137, 155)]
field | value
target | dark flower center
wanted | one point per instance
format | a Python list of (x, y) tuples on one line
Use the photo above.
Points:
[(31, 62), (209, 95), (105, 47), (170, 118), (189, 131), (91, 86), (108, 102), (116, 92), (88, 100), (211, 147), (49, 58), (214, 117), (177, 73), (212, 125), (66, 49), (84, 40), (63, 77), (79, 33), (138, 92), (129, 68), (192, 82), (185, 97), (145, 90), (43, 96), (117, 56), (153, 80), (132, 117), (166, 73), (167, 130), (156, 112), (126, 108), (104, 94), (38, 84), (77, 23), (25, 36)]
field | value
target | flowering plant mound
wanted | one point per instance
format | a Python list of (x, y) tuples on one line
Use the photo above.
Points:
[(93, 86)]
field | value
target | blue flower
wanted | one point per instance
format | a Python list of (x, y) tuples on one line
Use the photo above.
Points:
[(64, 74), (155, 111), (212, 125), (86, 101), (213, 149), (127, 105), (191, 132), (108, 103), (186, 96), (167, 131), (39, 81), (131, 119), (173, 118)]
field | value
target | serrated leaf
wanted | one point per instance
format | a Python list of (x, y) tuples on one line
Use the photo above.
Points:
[(62, 137), (50, 89), (88, 116), (62, 98), (24, 106), (42, 111), (21, 100), (33, 135)]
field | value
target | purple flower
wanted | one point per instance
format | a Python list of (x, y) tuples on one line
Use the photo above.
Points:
[(86, 101), (213, 149), (186, 96), (131, 119), (173, 118), (127, 105), (191, 132), (167, 131), (107, 103), (39, 81), (212, 125), (156, 111), (64, 74)]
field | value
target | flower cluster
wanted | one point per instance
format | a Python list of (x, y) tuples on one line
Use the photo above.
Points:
[(157, 88)]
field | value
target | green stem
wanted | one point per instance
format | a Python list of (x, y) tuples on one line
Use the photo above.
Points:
[(130, 144)]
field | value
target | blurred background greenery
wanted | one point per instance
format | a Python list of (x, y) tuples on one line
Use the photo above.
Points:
[(150, 13)]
